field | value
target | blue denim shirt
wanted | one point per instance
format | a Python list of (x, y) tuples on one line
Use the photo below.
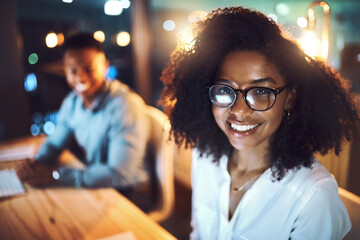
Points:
[(112, 134)]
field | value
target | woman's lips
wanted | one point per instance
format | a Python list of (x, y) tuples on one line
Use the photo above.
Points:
[(243, 128), (240, 130)]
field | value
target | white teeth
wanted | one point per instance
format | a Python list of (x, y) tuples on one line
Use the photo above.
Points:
[(243, 128), (81, 87)]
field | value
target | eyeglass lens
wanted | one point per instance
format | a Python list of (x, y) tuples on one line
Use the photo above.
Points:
[(257, 98)]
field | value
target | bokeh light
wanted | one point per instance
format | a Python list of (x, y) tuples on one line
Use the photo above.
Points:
[(302, 22), (123, 39), (310, 44), (38, 118), (33, 58), (196, 16), (30, 83), (60, 39), (51, 40), (49, 127), (169, 25), (185, 39), (273, 17), (282, 9), (125, 3), (56, 174), (35, 129), (113, 8), (100, 36)]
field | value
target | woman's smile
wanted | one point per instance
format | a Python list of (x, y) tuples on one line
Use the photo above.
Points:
[(244, 128)]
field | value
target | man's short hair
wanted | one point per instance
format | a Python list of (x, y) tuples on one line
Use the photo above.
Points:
[(81, 40)]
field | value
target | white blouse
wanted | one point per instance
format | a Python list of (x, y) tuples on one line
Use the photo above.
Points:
[(305, 204)]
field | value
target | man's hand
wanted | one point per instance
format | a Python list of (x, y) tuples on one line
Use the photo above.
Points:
[(35, 173)]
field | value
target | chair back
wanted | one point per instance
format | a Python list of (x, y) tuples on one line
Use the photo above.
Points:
[(352, 203), (161, 157)]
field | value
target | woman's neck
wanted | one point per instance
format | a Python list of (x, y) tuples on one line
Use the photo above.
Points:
[(250, 160)]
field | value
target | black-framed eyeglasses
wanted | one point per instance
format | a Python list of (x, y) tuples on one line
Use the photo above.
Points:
[(257, 98)]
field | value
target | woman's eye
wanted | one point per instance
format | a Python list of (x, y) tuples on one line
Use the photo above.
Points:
[(261, 91), (224, 90)]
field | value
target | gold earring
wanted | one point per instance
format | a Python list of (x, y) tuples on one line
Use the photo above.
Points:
[(287, 114)]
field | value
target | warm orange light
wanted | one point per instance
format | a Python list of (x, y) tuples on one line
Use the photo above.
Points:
[(100, 36), (325, 6), (185, 39), (323, 50), (310, 44), (60, 39)]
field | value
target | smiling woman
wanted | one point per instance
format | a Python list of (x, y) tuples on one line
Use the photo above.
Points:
[(251, 123), (257, 108)]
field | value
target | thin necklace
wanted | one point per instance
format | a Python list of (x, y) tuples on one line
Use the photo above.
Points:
[(239, 189)]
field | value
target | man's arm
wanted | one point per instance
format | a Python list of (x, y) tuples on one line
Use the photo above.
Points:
[(124, 165), (55, 143)]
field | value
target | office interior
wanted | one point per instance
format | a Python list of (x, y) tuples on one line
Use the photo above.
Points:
[(138, 42)]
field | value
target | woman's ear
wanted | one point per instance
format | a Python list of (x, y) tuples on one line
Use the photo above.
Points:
[(290, 98)]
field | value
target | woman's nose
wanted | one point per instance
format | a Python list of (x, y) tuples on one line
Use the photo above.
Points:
[(240, 107)]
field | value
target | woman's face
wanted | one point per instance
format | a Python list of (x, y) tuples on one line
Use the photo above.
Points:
[(246, 128)]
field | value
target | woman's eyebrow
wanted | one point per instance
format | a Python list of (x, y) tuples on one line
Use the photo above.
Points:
[(253, 81), (222, 80), (262, 80)]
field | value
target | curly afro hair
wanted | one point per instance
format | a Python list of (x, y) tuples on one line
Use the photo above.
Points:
[(323, 114)]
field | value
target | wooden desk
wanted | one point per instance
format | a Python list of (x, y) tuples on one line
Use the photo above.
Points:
[(68, 213), (71, 213), (34, 143)]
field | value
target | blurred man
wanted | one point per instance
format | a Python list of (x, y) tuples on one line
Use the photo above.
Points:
[(105, 120)]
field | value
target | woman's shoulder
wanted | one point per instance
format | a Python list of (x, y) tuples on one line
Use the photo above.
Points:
[(309, 179), (199, 156), (208, 161), (315, 173)]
